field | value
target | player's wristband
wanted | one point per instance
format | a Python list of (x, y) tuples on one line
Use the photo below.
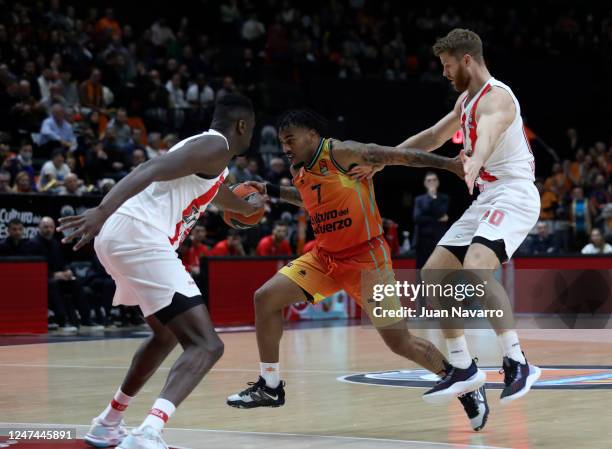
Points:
[(272, 190)]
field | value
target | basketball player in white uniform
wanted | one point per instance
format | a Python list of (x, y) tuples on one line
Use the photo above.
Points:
[(498, 161), (139, 224)]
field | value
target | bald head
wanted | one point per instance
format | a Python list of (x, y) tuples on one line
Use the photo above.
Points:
[(46, 228)]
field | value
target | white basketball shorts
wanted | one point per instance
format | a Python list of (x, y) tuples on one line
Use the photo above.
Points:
[(505, 209), (145, 267)]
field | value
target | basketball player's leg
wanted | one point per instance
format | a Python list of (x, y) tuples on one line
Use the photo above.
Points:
[(300, 280), (483, 257), (107, 428), (189, 322), (149, 356), (269, 302)]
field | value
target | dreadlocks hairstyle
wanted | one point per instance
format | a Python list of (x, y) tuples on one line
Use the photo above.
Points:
[(302, 118)]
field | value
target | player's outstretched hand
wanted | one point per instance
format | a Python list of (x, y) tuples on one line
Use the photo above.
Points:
[(86, 226), (359, 172)]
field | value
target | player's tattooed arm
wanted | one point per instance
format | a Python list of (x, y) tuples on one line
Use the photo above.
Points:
[(287, 194), (349, 152), (291, 195)]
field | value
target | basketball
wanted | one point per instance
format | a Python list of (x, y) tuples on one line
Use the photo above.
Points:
[(239, 221)]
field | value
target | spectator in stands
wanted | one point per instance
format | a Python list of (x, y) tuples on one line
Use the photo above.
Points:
[(57, 130), (558, 182), (91, 92), (113, 158), (102, 288), (27, 113), (5, 182), (580, 218), (597, 245), (231, 246), (62, 281), (542, 242), (23, 183), (154, 146), (548, 201), (253, 168), (200, 94), (45, 80), (68, 89), (430, 218), (108, 25), (121, 130), (53, 172), (72, 186), (138, 157), (178, 103), (195, 248), (239, 171), (599, 198), (278, 170), (21, 162), (55, 97), (275, 244), (228, 87), (14, 244)]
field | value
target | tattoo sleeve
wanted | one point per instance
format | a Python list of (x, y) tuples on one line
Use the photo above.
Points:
[(291, 195), (372, 154)]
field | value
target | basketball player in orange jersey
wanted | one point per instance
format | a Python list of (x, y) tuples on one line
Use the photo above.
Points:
[(350, 252), (139, 225), (498, 160)]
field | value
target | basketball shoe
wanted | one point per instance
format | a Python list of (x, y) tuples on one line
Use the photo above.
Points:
[(476, 407), (145, 438), (105, 435), (258, 395), (455, 382), (518, 379)]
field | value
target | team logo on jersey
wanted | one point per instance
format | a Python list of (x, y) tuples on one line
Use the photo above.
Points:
[(323, 167), (575, 377)]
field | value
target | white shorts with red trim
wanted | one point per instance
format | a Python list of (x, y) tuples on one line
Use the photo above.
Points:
[(143, 263), (505, 209)]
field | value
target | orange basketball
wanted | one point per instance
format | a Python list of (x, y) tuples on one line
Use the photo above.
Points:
[(239, 221)]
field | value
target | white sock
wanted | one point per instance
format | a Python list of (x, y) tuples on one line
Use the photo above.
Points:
[(271, 373), (114, 412), (160, 413), (458, 352), (510, 346)]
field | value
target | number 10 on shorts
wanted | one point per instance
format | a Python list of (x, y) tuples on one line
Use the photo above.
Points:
[(493, 216)]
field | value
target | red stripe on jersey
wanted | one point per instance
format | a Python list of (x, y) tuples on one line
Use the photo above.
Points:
[(472, 125), (486, 176), (200, 201)]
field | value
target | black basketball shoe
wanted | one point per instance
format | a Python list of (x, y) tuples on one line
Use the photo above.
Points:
[(518, 379), (476, 406), (258, 395), (455, 382)]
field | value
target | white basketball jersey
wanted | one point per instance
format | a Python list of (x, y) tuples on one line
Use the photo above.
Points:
[(512, 157), (173, 207)]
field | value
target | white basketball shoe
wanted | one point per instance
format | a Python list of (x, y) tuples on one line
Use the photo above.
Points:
[(104, 435), (145, 438)]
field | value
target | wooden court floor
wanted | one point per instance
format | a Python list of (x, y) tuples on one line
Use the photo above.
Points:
[(69, 383)]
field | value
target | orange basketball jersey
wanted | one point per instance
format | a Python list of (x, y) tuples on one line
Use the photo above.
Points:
[(343, 212)]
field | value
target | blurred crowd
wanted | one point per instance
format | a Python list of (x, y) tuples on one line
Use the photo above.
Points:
[(576, 198), (90, 93)]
